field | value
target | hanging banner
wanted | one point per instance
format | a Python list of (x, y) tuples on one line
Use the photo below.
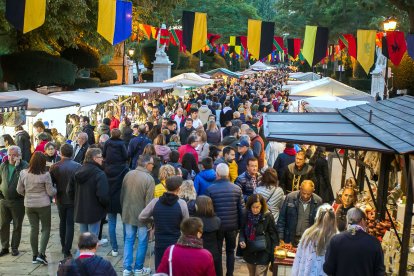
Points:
[(366, 48), (26, 15)]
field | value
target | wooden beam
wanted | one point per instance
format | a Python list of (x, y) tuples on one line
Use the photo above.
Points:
[(344, 168), (383, 181), (408, 175)]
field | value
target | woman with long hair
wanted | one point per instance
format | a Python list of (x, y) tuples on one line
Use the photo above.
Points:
[(188, 194), (211, 227), (270, 190), (310, 255), (213, 133), (189, 163), (348, 200), (258, 236), (150, 150), (161, 148), (35, 184)]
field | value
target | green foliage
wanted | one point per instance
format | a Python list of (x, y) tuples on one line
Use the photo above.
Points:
[(82, 83), (172, 53), (148, 52), (32, 69), (403, 74), (361, 84), (105, 73), (83, 56), (148, 76)]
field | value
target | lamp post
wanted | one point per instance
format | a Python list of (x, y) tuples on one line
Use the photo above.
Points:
[(390, 24), (123, 63)]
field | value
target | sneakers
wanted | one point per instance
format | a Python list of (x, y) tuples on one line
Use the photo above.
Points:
[(4, 252), (34, 260), (143, 271), (114, 253), (41, 258), (103, 242), (126, 272), (15, 252)]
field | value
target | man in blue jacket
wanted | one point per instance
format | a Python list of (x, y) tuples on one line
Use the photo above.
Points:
[(229, 206), (298, 213), (206, 177), (136, 146), (244, 153)]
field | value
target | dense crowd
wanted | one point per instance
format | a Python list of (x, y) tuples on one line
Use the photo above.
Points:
[(198, 175)]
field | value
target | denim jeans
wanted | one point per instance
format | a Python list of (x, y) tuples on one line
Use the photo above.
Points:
[(92, 227), (112, 218), (230, 238), (130, 234)]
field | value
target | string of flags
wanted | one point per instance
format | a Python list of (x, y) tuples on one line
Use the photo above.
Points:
[(115, 26)]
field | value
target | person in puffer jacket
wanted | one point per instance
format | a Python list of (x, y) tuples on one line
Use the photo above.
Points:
[(250, 179), (206, 177)]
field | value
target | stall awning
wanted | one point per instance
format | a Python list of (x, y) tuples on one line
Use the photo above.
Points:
[(190, 79), (119, 90), (224, 71), (85, 98), (307, 76), (327, 129), (10, 103), (153, 86), (39, 102)]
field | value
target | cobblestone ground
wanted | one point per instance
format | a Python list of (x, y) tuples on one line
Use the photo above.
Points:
[(22, 264)]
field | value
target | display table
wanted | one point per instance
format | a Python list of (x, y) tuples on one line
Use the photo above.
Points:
[(281, 262)]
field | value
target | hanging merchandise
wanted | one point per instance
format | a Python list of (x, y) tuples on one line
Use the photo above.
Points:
[(115, 20)]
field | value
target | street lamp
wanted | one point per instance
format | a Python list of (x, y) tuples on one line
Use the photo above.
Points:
[(390, 24), (131, 52)]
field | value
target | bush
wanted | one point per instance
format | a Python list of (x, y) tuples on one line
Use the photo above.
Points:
[(148, 52), (32, 69), (105, 73), (403, 74), (361, 84), (82, 83), (83, 57), (173, 54), (148, 76)]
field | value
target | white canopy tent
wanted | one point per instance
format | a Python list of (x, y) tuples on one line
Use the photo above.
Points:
[(328, 103), (190, 79), (39, 102), (260, 66), (325, 86), (85, 97), (301, 76), (153, 85), (119, 90)]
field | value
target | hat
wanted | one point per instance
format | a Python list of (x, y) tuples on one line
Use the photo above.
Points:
[(243, 143)]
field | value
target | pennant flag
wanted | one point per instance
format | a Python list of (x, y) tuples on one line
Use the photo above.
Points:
[(315, 44), (211, 39), (396, 46), (115, 20), (26, 15), (194, 30), (146, 30), (366, 48), (278, 44), (384, 47), (293, 47), (378, 39), (348, 41), (260, 38), (410, 45), (165, 37), (154, 32)]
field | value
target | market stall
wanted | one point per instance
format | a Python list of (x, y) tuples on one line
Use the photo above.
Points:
[(325, 103), (260, 66), (307, 76), (12, 110), (384, 129), (190, 79)]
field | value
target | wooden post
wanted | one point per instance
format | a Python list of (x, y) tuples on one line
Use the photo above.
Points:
[(408, 173), (344, 168), (383, 179)]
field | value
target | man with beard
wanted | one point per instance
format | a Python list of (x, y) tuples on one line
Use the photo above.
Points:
[(228, 158), (296, 173)]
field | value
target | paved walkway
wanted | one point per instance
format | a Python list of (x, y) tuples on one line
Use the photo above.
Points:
[(22, 264)]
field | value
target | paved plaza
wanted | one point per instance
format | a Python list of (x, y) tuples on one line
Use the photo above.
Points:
[(22, 264)]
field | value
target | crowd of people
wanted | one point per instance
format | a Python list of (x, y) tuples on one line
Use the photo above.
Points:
[(199, 176)]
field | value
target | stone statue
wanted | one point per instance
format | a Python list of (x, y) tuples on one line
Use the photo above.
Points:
[(381, 63)]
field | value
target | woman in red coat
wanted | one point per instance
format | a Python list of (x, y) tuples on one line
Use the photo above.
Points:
[(189, 247)]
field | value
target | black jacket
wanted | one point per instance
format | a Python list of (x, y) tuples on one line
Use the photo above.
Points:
[(126, 135), (211, 227), (228, 203), (136, 148), (22, 140), (114, 152), (323, 186), (286, 182), (266, 227), (357, 255), (63, 173), (88, 129), (115, 175), (226, 116), (281, 163), (95, 265), (288, 216), (81, 154), (90, 193), (184, 133)]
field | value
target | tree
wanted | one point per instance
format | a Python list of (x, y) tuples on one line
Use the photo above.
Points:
[(408, 7), (403, 75)]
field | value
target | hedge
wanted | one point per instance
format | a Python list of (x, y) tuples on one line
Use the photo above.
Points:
[(83, 57), (361, 84), (104, 72), (82, 83)]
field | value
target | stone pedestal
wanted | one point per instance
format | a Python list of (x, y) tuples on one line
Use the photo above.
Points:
[(162, 71), (377, 85)]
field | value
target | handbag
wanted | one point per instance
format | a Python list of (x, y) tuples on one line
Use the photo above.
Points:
[(169, 264), (259, 244)]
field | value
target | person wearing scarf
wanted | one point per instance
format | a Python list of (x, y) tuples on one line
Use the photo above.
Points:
[(258, 222), (188, 247)]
